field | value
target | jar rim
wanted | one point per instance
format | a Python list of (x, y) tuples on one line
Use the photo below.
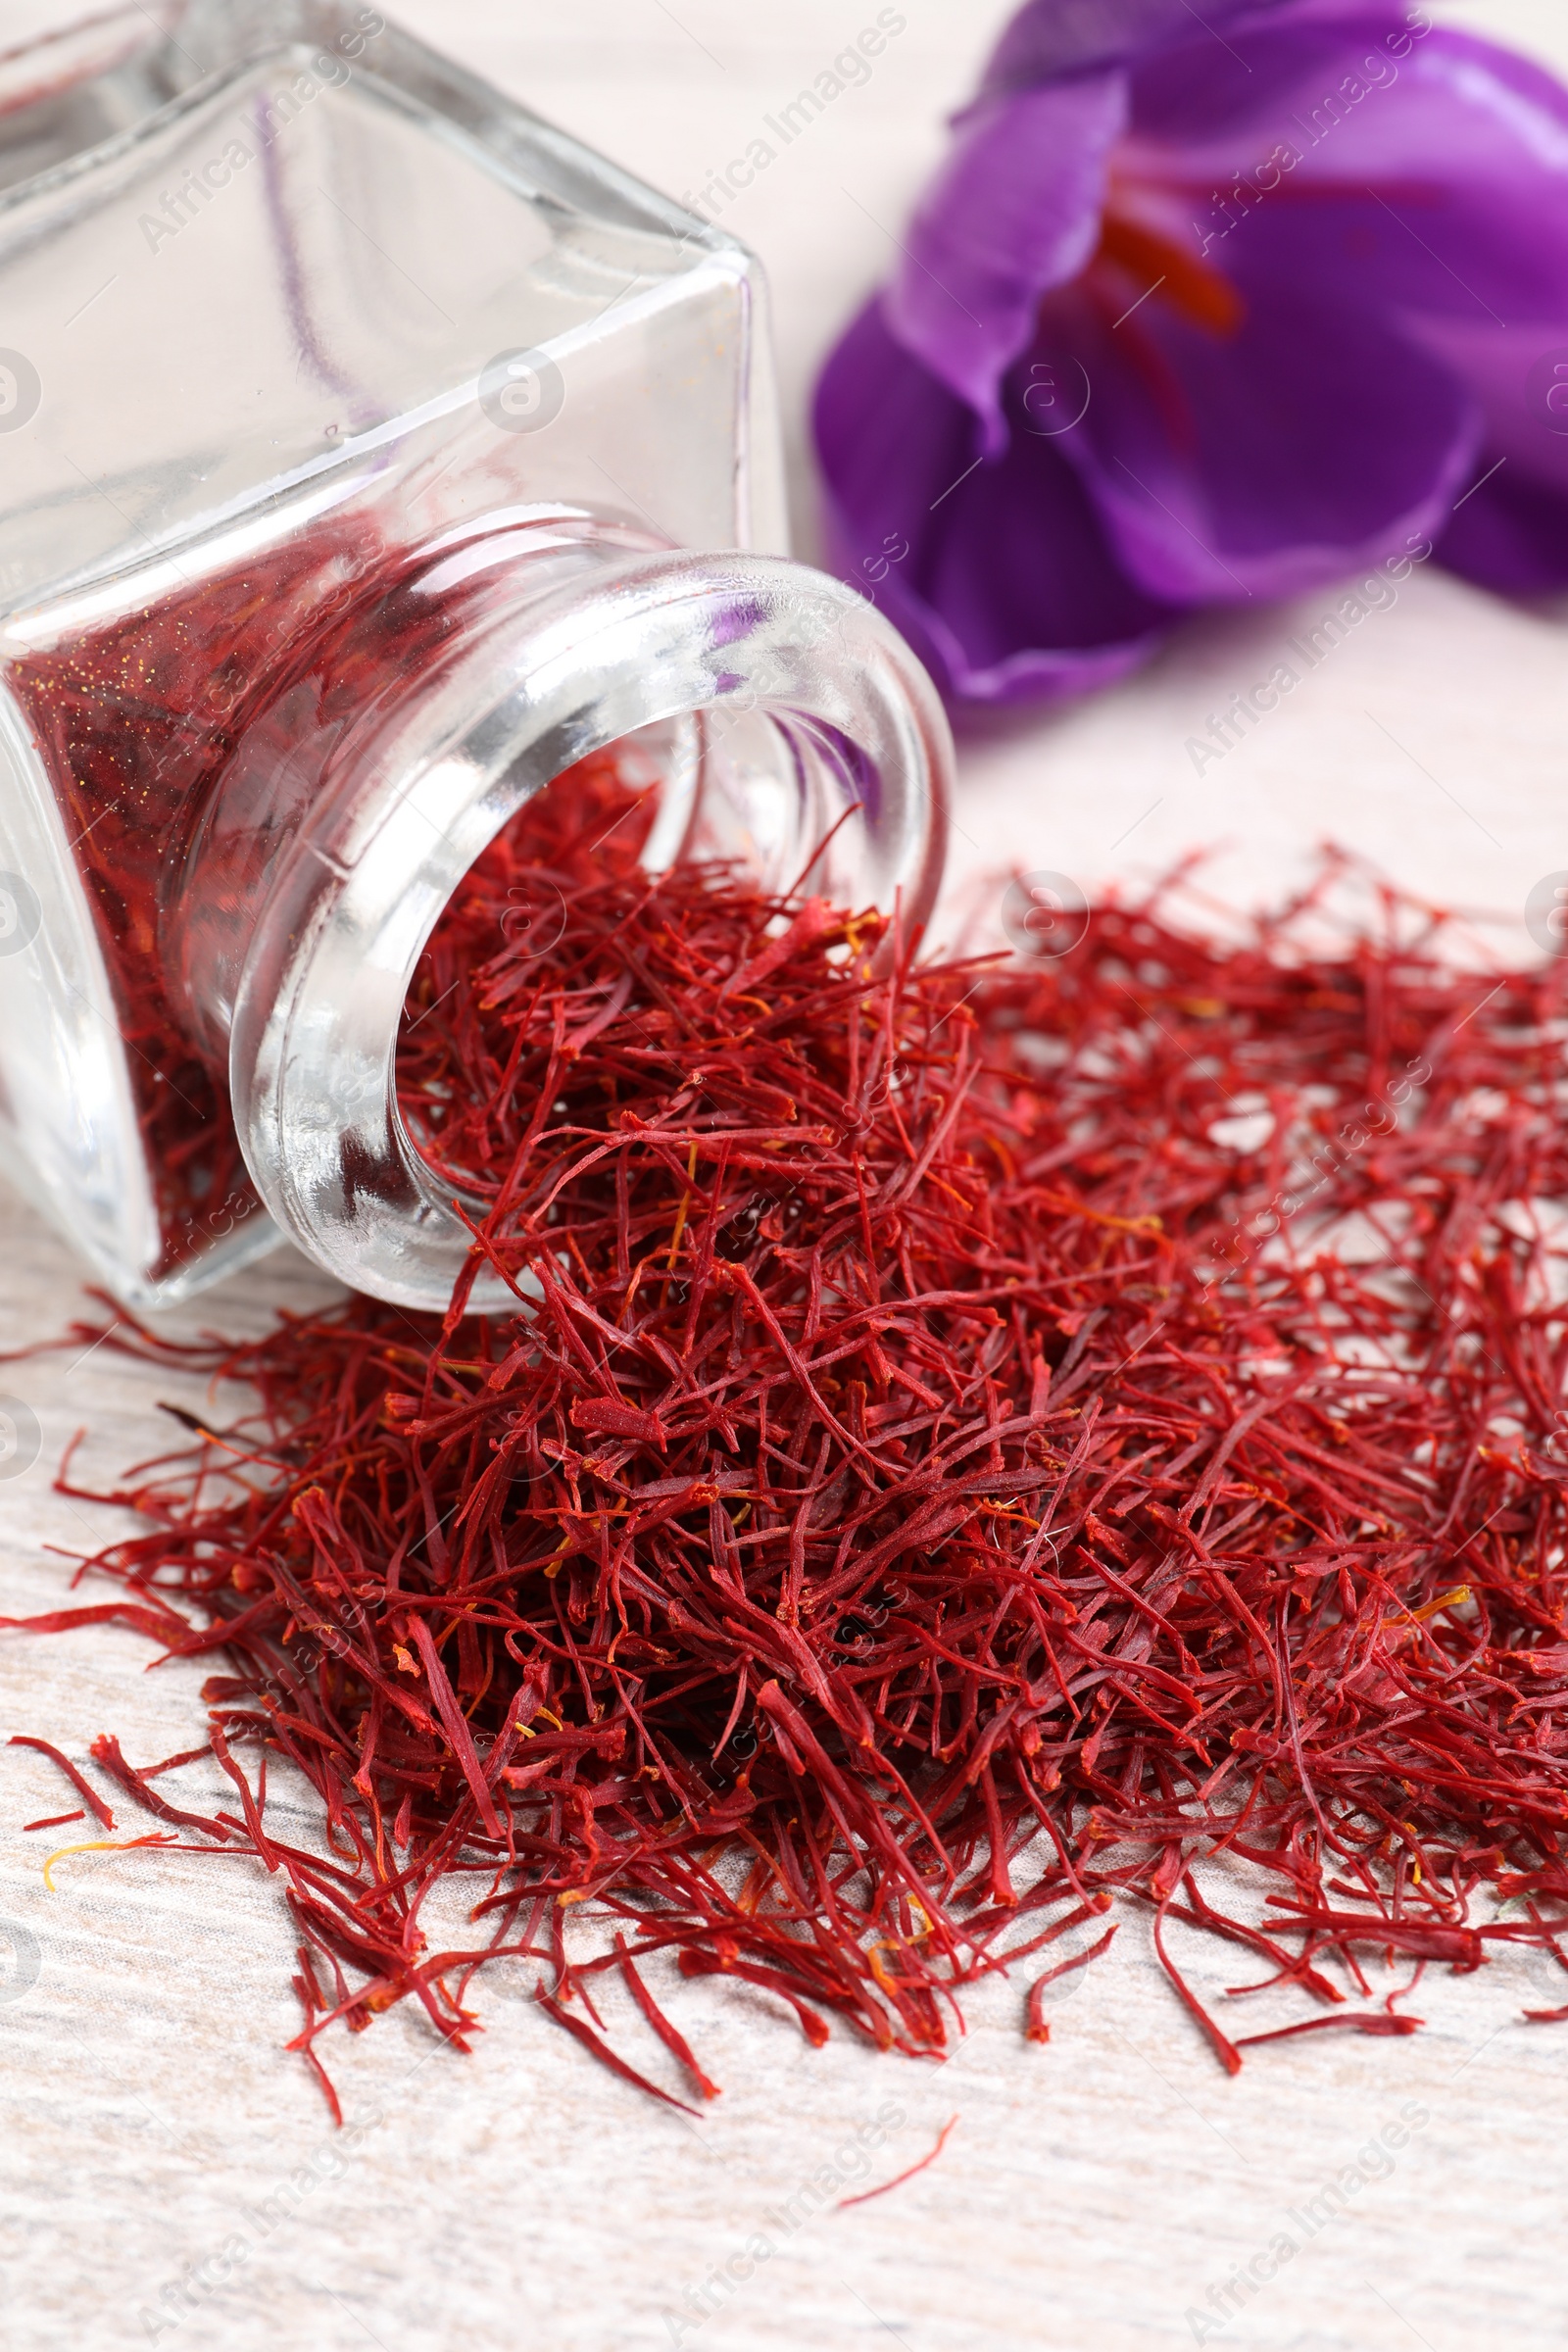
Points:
[(645, 638)]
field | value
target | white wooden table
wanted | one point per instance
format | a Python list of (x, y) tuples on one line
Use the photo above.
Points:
[(1094, 2192)]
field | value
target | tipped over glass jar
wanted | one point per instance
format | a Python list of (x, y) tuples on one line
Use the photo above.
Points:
[(356, 431)]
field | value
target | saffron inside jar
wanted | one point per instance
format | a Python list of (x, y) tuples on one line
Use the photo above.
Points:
[(983, 1461), (136, 722), (255, 684)]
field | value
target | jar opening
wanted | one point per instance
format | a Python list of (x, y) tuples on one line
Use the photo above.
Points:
[(753, 797), (762, 719), (491, 984)]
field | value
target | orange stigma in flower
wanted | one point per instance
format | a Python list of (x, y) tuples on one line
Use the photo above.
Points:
[(1201, 293)]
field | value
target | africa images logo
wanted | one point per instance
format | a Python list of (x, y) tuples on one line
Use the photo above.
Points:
[(21, 391)]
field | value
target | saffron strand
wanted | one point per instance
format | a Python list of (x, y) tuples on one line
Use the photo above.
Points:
[(670, 2036), (1370, 2021), (1094, 1447), (84, 1789), (866, 2195), (606, 2056)]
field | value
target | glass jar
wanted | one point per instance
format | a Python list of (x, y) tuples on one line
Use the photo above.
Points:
[(356, 427)]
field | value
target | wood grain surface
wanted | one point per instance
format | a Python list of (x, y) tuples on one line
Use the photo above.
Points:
[(154, 2142)]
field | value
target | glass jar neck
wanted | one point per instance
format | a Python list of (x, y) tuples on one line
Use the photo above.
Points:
[(787, 725), (406, 661)]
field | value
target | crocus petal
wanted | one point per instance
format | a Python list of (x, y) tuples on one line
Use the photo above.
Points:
[(997, 572), (1431, 252), (1437, 184), (1510, 534), (1509, 530), (1070, 37), (1193, 96), (1518, 380), (1313, 441), (1309, 259), (1013, 212)]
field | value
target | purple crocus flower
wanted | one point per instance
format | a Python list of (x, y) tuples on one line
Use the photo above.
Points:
[(1207, 306)]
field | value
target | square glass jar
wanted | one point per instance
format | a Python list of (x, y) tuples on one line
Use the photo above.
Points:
[(290, 304)]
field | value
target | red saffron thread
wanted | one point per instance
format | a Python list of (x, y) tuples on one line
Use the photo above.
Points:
[(670, 2034), (88, 1794), (970, 1447), (1371, 2021), (899, 2179)]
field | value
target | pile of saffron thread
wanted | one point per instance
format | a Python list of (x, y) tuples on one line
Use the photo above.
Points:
[(972, 1444)]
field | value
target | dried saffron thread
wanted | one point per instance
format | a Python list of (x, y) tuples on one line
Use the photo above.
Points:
[(899, 2179), (134, 721), (84, 1787), (97, 1845), (260, 672), (971, 1445)]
